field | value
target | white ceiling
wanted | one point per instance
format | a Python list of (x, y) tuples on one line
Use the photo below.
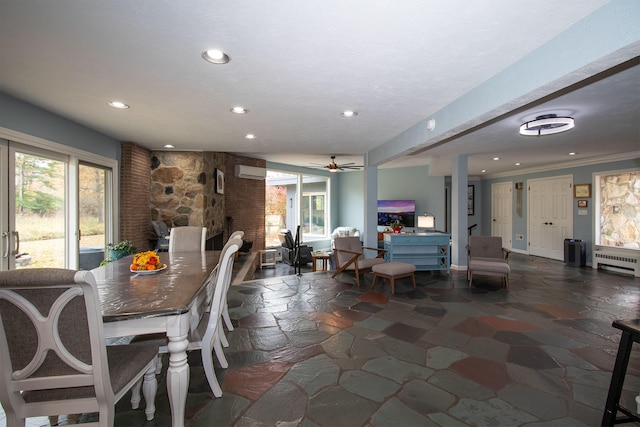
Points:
[(296, 65)]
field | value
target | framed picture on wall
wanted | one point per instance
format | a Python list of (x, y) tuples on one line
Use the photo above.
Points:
[(583, 203), (471, 200), (219, 181), (582, 190)]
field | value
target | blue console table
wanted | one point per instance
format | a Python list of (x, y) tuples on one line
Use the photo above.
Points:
[(427, 251)]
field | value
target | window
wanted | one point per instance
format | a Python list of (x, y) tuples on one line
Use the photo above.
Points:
[(57, 205), (286, 210), (617, 204)]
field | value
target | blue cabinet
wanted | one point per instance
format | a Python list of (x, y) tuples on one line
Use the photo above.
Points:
[(427, 251)]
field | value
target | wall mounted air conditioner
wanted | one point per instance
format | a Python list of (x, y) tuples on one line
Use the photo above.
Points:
[(250, 172)]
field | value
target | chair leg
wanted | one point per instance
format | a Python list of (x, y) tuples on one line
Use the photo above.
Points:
[(393, 285), (217, 346), (373, 282), (227, 319), (207, 363), (221, 334), (149, 390), (470, 280), (413, 278)]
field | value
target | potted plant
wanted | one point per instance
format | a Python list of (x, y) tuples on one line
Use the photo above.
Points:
[(396, 226), (118, 250)]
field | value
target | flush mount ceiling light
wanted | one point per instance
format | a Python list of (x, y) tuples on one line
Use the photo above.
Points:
[(118, 104), (349, 113), (239, 110), (547, 124), (250, 136), (215, 56), (169, 146)]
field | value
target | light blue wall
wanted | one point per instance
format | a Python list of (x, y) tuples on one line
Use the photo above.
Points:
[(410, 183), (414, 183), (23, 117), (350, 211), (582, 224)]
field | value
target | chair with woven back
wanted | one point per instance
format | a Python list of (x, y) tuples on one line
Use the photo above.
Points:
[(350, 256), (53, 355)]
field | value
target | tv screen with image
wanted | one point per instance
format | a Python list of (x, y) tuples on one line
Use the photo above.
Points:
[(401, 210)]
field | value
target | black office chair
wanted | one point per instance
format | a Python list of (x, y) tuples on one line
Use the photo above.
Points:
[(288, 249), (162, 231)]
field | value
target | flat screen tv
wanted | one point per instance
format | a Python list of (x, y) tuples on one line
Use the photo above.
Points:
[(402, 210)]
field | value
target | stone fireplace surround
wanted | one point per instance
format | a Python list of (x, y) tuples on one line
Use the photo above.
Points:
[(179, 188)]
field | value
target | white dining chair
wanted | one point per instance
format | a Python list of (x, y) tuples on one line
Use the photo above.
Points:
[(53, 356), (188, 238), (206, 336), (225, 309)]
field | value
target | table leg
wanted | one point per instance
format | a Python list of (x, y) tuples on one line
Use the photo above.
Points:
[(178, 378)]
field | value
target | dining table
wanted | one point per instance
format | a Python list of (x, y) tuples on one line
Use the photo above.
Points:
[(169, 300)]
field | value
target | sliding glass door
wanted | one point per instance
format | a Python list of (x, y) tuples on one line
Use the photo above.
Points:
[(93, 182), (34, 229), (55, 210)]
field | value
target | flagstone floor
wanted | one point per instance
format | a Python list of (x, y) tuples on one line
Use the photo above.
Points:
[(310, 350)]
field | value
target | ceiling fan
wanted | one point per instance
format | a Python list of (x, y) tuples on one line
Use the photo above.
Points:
[(334, 167)]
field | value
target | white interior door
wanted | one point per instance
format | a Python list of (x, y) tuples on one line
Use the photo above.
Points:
[(501, 212), (550, 215)]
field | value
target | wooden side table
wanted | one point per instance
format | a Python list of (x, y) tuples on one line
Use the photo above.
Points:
[(323, 257), (268, 258)]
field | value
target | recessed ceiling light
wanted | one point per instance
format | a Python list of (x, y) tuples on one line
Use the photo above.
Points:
[(216, 56), (483, 170), (250, 136), (496, 158), (118, 104), (169, 146), (572, 154), (349, 114), (518, 164), (239, 110)]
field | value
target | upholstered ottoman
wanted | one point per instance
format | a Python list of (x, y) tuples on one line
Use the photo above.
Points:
[(393, 271), (489, 267)]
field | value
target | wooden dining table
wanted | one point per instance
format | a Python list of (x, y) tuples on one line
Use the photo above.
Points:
[(171, 301)]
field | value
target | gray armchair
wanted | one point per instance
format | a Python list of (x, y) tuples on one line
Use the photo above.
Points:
[(487, 257), (288, 249)]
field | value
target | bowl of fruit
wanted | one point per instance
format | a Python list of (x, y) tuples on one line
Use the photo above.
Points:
[(146, 263)]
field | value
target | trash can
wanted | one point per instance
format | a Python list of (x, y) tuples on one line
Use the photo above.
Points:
[(574, 252)]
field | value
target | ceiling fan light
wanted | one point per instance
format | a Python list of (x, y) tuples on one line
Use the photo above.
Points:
[(547, 124)]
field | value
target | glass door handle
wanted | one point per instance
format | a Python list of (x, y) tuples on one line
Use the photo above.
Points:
[(17, 236), (5, 236)]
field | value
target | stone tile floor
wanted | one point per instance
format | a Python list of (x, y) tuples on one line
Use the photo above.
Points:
[(313, 351)]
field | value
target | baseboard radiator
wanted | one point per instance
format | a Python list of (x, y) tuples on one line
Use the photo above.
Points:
[(617, 261)]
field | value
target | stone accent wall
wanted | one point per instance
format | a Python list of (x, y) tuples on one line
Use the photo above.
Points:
[(134, 195), (183, 189), (179, 189)]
